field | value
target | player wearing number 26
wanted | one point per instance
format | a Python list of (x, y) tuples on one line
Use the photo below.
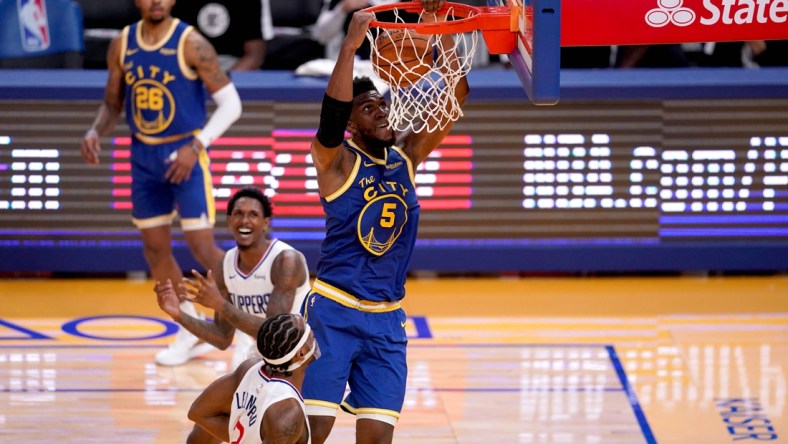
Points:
[(367, 189), (159, 67)]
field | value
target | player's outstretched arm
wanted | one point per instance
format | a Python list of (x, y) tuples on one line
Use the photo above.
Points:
[(333, 166), (211, 410), (109, 111), (419, 145), (287, 274)]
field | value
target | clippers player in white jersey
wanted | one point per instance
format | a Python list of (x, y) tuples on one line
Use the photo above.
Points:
[(261, 402), (256, 278)]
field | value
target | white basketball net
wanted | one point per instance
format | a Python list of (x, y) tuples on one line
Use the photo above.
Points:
[(427, 102)]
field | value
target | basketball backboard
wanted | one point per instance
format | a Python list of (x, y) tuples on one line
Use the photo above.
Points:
[(527, 31), (537, 54)]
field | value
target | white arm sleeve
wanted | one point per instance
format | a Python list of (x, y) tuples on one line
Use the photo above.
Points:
[(228, 110)]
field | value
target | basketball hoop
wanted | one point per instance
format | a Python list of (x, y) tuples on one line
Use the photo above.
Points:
[(422, 82)]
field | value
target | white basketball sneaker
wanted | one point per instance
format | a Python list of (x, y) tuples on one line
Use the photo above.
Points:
[(185, 346)]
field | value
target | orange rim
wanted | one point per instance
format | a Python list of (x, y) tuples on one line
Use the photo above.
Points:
[(486, 18)]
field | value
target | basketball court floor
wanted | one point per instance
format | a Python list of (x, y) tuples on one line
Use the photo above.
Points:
[(520, 360)]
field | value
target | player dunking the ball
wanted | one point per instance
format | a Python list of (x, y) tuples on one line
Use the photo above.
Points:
[(367, 189)]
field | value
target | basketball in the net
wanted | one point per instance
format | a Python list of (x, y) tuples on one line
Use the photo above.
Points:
[(402, 57)]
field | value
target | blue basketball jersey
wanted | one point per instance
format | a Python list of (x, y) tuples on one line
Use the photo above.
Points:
[(371, 224), (165, 101)]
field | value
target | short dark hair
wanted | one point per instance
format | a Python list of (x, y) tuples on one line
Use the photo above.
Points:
[(362, 85), (277, 337), (252, 193)]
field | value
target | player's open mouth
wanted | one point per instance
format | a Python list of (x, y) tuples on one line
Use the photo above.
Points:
[(244, 231)]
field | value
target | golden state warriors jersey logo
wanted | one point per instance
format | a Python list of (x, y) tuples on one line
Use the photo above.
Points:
[(380, 223), (152, 103), (157, 78)]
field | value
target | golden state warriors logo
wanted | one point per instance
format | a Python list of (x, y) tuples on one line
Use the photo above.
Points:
[(380, 223), (152, 103)]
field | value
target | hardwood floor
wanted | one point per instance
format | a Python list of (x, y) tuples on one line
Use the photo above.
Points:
[(558, 360)]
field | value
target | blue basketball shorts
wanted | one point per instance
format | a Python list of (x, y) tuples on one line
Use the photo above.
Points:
[(364, 350), (154, 199)]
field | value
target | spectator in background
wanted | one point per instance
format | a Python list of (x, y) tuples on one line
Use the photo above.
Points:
[(651, 56), (333, 22), (292, 44), (238, 29), (769, 52), (722, 55)]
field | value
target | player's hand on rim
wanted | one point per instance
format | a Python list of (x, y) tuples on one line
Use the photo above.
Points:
[(357, 30), (91, 147), (432, 5)]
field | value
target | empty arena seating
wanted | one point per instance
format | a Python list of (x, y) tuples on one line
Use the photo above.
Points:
[(292, 44), (103, 20)]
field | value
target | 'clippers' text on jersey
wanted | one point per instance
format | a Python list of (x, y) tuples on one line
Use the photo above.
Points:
[(256, 304)]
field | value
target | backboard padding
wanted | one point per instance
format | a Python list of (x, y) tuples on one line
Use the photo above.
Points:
[(537, 55)]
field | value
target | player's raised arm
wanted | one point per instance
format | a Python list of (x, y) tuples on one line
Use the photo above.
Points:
[(334, 166), (419, 145)]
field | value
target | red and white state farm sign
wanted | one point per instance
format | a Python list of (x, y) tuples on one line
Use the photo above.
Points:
[(640, 22)]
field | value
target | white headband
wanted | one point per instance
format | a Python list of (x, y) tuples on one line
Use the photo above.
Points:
[(289, 356)]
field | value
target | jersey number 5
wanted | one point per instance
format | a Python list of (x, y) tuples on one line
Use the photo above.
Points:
[(387, 216)]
